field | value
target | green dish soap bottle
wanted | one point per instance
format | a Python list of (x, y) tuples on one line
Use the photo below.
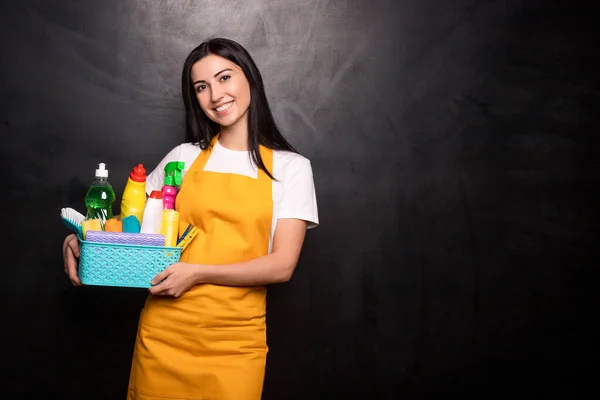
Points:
[(100, 197)]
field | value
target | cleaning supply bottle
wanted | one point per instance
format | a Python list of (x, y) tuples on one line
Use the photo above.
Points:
[(170, 227), (172, 180), (152, 218), (169, 193), (170, 218), (100, 197), (133, 201)]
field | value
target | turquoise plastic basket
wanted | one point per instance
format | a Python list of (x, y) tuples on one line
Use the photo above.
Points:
[(123, 265)]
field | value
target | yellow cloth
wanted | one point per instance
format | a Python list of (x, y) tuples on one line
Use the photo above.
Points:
[(210, 343)]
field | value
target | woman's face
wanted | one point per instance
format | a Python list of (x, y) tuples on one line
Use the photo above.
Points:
[(222, 90)]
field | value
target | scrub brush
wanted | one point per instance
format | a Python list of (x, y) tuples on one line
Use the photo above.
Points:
[(72, 219), (187, 236)]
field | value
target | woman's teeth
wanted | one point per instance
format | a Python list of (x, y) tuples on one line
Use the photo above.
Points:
[(224, 107)]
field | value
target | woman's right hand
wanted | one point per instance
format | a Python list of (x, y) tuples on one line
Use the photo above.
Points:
[(70, 257)]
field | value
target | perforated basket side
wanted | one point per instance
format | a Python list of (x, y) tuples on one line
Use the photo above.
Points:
[(121, 265)]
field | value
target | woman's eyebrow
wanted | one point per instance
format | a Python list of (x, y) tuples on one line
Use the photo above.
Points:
[(217, 74)]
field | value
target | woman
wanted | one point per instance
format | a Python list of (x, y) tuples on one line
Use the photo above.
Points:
[(202, 332)]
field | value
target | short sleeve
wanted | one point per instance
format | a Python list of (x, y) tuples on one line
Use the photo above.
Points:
[(299, 199), (155, 180)]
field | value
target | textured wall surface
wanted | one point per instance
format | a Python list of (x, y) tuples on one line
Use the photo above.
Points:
[(455, 152)]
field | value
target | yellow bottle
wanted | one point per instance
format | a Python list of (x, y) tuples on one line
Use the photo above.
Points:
[(170, 227), (133, 201)]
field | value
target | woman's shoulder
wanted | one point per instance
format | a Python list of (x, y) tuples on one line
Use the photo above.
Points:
[(183, 152), (286, 163), (186, 152), (188, 148), (285, 156)]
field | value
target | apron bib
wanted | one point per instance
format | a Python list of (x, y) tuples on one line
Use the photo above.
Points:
[(210, 343)]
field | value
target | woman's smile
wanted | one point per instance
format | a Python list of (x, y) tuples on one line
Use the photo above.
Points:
[(222, 108)]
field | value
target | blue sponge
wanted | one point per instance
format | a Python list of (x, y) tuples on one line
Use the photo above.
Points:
[(131, 224)]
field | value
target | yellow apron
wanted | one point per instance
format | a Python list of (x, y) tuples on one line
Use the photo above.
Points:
[(210, 343)]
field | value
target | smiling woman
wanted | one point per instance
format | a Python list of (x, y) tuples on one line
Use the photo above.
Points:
[(225, 97), (202, 332)]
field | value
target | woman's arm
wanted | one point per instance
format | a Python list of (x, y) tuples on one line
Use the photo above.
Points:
[(273, 268)]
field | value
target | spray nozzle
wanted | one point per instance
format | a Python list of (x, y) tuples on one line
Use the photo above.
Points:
[(173, 173), (101, 172)]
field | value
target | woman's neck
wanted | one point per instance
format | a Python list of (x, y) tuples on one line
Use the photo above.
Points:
[(235, 137)]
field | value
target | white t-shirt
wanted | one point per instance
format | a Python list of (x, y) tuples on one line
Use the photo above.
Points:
[(293, 193)]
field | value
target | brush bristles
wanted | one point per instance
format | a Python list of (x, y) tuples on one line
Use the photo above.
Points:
[(73, 215)]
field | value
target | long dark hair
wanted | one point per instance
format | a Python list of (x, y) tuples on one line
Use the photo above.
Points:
[(262, 129)]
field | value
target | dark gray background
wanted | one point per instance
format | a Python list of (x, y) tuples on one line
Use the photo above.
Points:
[(455, 152)]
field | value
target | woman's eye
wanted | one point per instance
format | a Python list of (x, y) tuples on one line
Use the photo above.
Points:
[(224, 78), (200, 88)]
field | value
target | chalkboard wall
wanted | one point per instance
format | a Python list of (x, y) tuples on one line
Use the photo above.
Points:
[(455, 152)]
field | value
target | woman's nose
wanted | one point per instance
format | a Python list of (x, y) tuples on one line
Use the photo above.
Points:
[(216, 94)]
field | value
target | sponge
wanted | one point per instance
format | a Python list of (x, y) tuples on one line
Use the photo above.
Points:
[(131, 224), (113, 225), (90, 225)]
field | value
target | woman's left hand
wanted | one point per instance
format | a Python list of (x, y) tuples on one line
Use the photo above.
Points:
[(175, 280)]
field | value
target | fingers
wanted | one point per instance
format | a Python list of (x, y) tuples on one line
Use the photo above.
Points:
[(157, 290), (74, 245), (71, 265), (161, 276), (159, 285), (166, 283), (70, 255), (164, 289)]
